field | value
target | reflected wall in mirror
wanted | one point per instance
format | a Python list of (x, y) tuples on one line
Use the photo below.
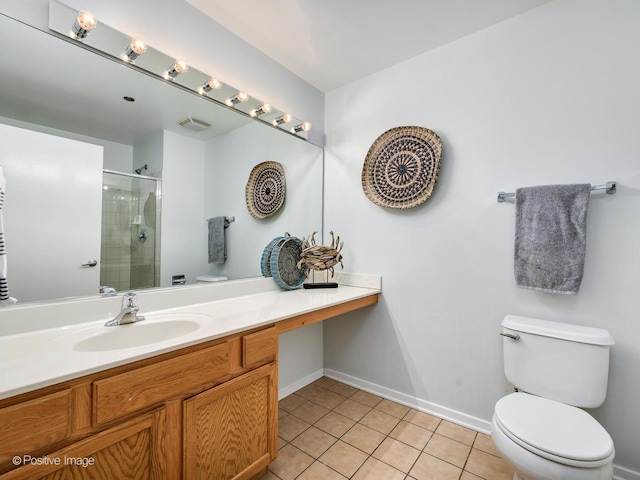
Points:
[(203, 173)]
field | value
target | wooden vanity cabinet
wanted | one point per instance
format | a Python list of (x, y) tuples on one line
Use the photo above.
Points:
[(208, 411), (230, 431)]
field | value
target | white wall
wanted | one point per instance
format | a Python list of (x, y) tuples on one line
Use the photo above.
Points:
[(229, 161), (300, 358), (116, 156), (179, 29), (183, 232), (149, 152), (547, 97)]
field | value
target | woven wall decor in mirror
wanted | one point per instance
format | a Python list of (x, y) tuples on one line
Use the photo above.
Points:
[(265, 190), (402, 167)]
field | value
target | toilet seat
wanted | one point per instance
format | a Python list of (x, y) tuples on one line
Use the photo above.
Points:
[(554, 430)]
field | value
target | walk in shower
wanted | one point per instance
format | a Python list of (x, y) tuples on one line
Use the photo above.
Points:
[(130, 233)]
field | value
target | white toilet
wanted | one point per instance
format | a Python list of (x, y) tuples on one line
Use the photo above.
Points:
[(540, 430)]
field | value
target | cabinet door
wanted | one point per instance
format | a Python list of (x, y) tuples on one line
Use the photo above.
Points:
[(131, 451), (230, 431)]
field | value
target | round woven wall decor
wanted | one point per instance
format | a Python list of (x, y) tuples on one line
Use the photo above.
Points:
[(265, 189), (402, 167)]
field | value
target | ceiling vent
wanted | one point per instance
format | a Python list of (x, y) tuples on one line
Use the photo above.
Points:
[(194, 124)]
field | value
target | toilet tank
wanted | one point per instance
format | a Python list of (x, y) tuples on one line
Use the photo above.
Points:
[(560, 361), (210, 278)]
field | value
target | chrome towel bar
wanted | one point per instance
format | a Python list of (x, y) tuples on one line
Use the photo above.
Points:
[(609, 187), (228, 219)]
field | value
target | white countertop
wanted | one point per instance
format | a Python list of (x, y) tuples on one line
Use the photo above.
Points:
[(38, 358)]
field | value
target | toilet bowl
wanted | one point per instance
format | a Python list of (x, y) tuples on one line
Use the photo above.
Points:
[(547, 440), (541, 430)]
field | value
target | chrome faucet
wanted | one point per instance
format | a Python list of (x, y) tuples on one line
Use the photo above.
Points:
[(107, 291), (129, 312)]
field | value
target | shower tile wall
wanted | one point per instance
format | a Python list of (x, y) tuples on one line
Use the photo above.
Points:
[(143, 254), (129, 208), (116, 239)]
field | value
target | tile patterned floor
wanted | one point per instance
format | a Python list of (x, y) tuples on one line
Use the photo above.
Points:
[(332, 431)]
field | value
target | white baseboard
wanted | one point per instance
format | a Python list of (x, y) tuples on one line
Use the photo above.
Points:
[(477, 424), (298, 384), (620, 473), (454, 416)]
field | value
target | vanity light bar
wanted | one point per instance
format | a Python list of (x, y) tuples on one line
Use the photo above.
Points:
[(85, 22)]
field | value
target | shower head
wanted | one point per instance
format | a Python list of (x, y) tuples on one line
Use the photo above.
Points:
[(141, 169)]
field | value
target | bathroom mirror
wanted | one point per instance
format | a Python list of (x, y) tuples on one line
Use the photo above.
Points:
[(59, 90)]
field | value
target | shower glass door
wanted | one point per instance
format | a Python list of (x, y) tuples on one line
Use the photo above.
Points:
[(130, 249)]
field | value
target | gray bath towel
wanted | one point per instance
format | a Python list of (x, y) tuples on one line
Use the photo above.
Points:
[(551, 234), (217, 242)]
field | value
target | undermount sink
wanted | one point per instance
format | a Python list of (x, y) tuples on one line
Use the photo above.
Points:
[(154, 329)]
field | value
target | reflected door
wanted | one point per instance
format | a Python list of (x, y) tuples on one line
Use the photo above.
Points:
[(51, 214)]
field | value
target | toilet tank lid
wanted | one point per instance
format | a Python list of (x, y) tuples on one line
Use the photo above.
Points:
[(563, 331)]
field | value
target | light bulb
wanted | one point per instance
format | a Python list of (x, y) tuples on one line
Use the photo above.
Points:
[(303, 127), (256, 112), (211, 84), (178, 67), (85, 21), (136, 48), (237, 98), (281, 119)]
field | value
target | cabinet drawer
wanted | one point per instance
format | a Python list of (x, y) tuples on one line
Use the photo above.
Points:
[(143, 387), (260, 347), (33, 425)]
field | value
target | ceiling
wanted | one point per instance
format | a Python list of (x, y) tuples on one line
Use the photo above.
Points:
[(330, 43)]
